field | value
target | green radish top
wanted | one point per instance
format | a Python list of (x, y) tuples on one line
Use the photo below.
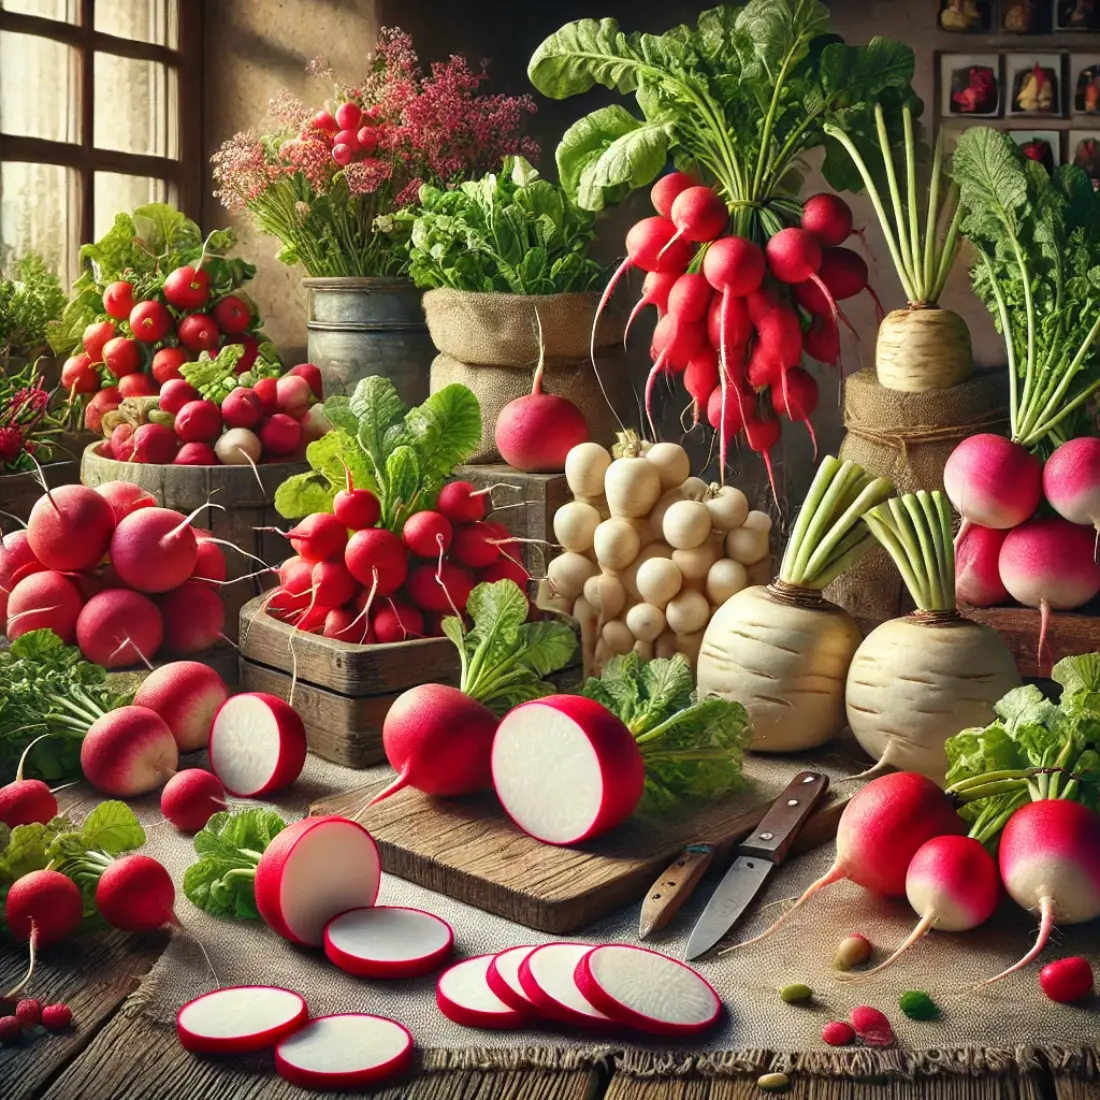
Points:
[(827, 537), (915, 530)]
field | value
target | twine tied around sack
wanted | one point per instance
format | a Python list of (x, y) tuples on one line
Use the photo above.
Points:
[(796, 595), (900, 439), (940, 617)]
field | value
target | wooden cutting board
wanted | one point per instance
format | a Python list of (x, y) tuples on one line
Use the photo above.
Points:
[(468, 850)]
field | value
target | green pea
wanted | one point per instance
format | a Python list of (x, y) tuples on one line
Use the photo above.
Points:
[(796, 993)]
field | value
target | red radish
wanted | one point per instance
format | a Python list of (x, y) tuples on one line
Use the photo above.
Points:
[(107, 400), (464, 995), (348, 626), (199, 422), (395, 621), (1071, 481), (474, 546), (154, 549), (313, 619), (191, 798), (121, 443), (196, 454), (117, 628), (232, 315), (95, 336), (11, 1031), (1049, 858), (821, 341), (324, 122), (762, 369), (872, 1026), (78, 375), (351, 1050), (386, 941), (128, 752), (284, 605), (1067, 980), (186, 694), (44, 600), (534, 433), (879, 832), (210, 562), (296, 575), (566, 769), (70, 528), (548, 977), (502, 978), (26, 801), (56, 1017), (312, 374), (780, 334), (155, 443), (689, 297), (251, 352), (17, 558), (187, 289), (992, 481), (135, 893), (838, 1033), (735, 410), (796, 398), (118, 300), (138, 385), (762, 433), (257, 744), (664, 192), (314, 870), (41, 909), (280, 435), (461, 502), (29, 1012), (319, 537), (977, 566), (167, 363), (828, 217), (125, 497), (794, 256), (198, 332), (150, 322), (239, 1019), (376, 552), (348, 116), (295, 395), (953, 885), (267, 390), (444, 589), (844, 273), (315, 424), (357, 508), (647, 990), (701, 378), (734, 265), (505, 569), (655, 291), (177, 392), (241, 408), (367, 136), (698, 214), (333, 585)]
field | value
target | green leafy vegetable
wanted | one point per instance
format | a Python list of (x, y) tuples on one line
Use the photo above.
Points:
[(222, 881), (30, 298), (215, 378), (692, 747)]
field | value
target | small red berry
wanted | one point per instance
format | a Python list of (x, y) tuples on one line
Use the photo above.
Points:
[(1067, 980), (11, 1030), (56, 1017), (29, 1012), (838, 1033), (864, 1019)]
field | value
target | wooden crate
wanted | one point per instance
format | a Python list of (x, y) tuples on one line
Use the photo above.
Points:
[(1068, 634)]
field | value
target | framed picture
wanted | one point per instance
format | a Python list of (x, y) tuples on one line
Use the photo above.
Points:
[(1077, 15), (970, 85), (966, 15), (1043, 146), (1084, 85), (1084, 151), (1034, 84), (1025, 16)]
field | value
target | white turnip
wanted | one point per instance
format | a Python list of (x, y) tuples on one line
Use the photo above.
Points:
[(585, 468), (238, 447)]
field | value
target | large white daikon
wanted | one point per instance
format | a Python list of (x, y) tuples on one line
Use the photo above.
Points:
[(920, 679), (782, 650)]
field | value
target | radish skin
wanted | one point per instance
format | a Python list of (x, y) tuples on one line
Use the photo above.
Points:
[(186, 694), (1071, 481), (977, 569), (128, 752), (502, 977), (992, 481)]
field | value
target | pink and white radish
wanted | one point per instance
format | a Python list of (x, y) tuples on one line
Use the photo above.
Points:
[(128, 752), (534, 433), (125, 497), (239, 1019), (194, 618), (191, 798), (464, 996), (549, 978), (347, 1051), (977, 566), (70, 528), (119, 627), (186, 694), (41, 909), (992, 481), (1071, 481), (26, 801), (44, 600), (503, 979), (386, 941), (257, 744), (154, 549)]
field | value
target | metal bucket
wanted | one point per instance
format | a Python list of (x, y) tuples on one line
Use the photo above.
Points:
[(358, 327)]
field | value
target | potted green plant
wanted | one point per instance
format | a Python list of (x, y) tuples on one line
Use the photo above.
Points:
[(31, 296)]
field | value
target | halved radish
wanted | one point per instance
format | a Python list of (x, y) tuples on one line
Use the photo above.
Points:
[(503, 978), (463, 995), (388, 941), (315, 870), (647, 990), (350, 1050), (257, 744), (566, 769), (546, 976), (239, 1019)]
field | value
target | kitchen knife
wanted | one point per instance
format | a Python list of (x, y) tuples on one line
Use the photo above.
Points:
[(755, 858)]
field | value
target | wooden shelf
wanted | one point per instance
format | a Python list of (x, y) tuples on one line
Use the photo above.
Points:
[(1068, 634)]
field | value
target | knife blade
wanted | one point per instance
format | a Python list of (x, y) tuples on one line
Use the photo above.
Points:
[(755, 859)]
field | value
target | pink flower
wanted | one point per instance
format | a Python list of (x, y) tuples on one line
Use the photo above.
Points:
[(11, 444)]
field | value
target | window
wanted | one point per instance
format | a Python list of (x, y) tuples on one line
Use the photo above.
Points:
[(90, 118)]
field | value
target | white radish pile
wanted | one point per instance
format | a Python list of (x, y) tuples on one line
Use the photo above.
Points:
[(650, 551), (386, 941), (350, 1050), (239, 1019), (503, 978), (257, 744), (548, 977)]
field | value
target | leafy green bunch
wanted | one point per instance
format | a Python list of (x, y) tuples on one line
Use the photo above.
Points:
[(738, 98), (509, 232), (215, 377), (31, 297), (402, 455)]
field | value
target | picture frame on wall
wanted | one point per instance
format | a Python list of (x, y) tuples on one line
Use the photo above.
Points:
[(1084, 87), (1083, 149), (1077, 15), (1034, 85), (1025, 16), (1043, 146), (966, 16), (970, 85)]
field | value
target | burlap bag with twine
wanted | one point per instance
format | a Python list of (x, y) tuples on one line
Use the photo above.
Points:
[(490, 343), (907, 437)]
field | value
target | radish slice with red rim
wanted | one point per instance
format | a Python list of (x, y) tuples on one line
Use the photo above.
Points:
[(350, 1050), (463, 995), (239, 1019), (257, 744), (503, 978), (387, 941), (647, 990), (546, 976)]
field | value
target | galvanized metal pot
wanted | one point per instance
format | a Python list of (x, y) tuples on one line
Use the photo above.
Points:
[(358, 327)]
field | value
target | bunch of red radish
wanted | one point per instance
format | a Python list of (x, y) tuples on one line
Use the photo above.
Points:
[(360, 583), (1009, 546), (108, 570), (351, 133), (270, 421), (735, 319), (141, 343)]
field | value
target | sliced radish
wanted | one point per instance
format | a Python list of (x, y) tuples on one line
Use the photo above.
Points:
[(257, 744), (503, 979), (463, 995), (388, 941), (239, 1019), (315, 870), (347, 1051), (647, 990), (546, 976)]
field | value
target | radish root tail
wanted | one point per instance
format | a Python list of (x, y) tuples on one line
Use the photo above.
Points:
[(32, 943), (920, 930), (1046, 926)]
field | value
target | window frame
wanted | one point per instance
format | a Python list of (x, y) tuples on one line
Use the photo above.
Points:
[(186, 174)]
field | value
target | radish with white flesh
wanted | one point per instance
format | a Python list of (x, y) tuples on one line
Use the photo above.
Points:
[(548, 977), (257, 744), (118, 627), (566, 769), (314, 870), (647, 990), (41, 909), (186, 694), (879, 832), (70, 528), (1071, 481), (129, 752), (463, 995), (783, 651), (977, 566), (239, 1019), (191, 798), (347, 1051), (953, 885), (992, 481), (154, 549), (386, 941), (135, 893), (44, 600), (502, 977), (917, 680)]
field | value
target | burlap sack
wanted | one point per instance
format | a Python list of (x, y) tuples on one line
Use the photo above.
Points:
[(489, 342), (907, 437)]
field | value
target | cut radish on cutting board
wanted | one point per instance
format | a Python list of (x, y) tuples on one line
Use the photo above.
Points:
[(257, 744), (647, 990), (503, 978), (546, 976), (387, 941), (315, 870), (239, 1019), (463, 995), (346, 1051)]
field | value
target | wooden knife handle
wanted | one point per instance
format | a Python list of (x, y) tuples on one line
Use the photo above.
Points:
[(773, 837), (673, 888)]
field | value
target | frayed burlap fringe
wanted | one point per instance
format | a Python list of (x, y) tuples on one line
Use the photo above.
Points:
[(520, 1058)]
